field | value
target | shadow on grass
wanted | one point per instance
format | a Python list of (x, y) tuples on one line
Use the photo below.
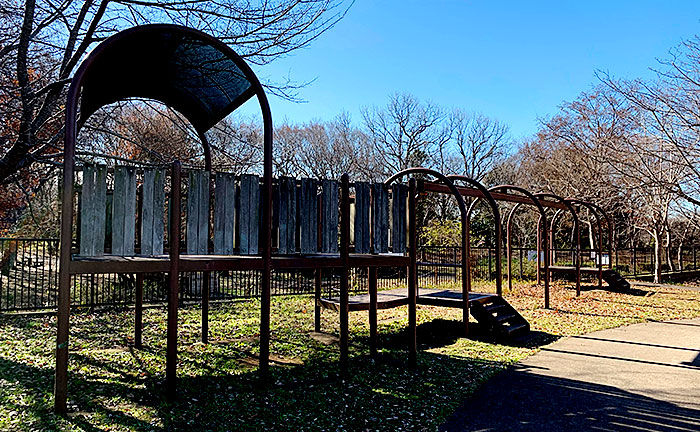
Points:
[(374, 395), (439, 333)]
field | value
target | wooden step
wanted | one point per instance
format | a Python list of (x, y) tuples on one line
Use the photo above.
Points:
[(518, 328), (499, 317), (495, 307), (505, 318)]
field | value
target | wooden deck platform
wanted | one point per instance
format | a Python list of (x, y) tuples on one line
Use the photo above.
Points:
[(161, 263), (572, 269), (399, 297)]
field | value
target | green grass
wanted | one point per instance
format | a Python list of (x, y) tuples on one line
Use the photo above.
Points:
[(114, 387)]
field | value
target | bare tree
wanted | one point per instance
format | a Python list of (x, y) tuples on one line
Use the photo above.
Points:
[(407, 132), (41, 44), (325, 150), (671, 107), (477, 143)]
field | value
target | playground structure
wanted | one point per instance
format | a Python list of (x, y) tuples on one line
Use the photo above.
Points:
[(231, 220)]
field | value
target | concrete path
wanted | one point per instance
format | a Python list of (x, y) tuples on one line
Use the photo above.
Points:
[(644, 377)]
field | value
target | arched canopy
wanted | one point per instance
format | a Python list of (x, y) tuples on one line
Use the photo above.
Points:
[(185, 69)]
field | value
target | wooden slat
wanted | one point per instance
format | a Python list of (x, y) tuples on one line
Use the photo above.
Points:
[(86, 208), (100, 213), (380, 218), (249, 218), (308, 215), (220, 185), (93, 213), (158, 211), (224, 206), (329, 219), (123, 211), (152, 210), (399, 192), (147, 211), (192, 212), (198, 212), (118, 208), (203, 218), (362, 217), (287, 206)]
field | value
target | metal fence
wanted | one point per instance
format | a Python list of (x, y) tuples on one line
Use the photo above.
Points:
[(29, 275)]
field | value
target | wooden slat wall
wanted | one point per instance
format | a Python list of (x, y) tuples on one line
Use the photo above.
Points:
[(287, 216), (249, 219), (362, 217), (198, 213), (380, 218), (399, 193), (124, 211), (224, 212), (308, 215), (329, 217), (152, 211), (92, 211)]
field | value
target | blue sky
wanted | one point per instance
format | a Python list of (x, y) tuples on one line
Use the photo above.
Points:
[(514, 61)]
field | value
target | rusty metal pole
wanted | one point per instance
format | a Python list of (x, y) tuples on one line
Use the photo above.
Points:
[(539, 247), (64, 278), (372, 287), (466, 274), (318, 276), (345, 278), (173, 283), (509, 247), (412, 274), (547, 262), (138, 312), (206, 284)]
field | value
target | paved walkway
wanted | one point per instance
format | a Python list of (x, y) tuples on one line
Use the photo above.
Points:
[(644, 377)]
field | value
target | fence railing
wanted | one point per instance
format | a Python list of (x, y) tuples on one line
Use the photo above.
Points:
[(29, 275)]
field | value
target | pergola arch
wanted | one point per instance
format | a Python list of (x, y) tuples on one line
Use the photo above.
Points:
[(543, 219), (464, 214), (574, 214), (497, 226)]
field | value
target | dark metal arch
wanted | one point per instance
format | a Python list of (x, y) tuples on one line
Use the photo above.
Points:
[(466, 285), (497, 225), (574, 214), (201, 124), (543, 217)]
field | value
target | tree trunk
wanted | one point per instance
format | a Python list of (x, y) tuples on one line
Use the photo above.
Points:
[(667, 250), (657, 256)]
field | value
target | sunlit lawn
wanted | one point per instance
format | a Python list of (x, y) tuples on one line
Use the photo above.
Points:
[(114, 387)]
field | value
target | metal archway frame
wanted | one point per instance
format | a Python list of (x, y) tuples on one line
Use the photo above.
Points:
[(497, 226), (76, 93), (577, 231), (412, 276), (543, 219)]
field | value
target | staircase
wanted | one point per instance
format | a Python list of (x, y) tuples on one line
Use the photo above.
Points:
[(615, 281), (499, 317)]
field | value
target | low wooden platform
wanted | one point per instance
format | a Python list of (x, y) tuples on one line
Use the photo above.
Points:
[(399, 297), (161, 263), (572, 269)]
